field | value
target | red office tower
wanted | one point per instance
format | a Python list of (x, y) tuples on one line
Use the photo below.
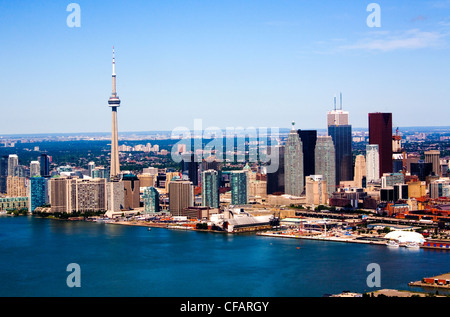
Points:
[(380, 132)]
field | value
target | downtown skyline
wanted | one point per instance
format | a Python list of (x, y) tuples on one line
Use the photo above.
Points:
[(261, 63)]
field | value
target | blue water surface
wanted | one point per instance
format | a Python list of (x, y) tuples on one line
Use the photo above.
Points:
[(118, 260)]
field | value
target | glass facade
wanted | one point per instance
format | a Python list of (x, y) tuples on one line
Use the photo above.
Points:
[(37, 192), (238, 182), (342, 139), (210, 188), (151, 200)]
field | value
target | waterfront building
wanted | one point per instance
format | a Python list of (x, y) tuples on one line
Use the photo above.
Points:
[(77, 195), (325, 160), (151, 200), (309, 140), (210, 188), (13, 203), (115, 192), (37, 192), (293, 164), (114, 103), (433, 157), (16, 186), (239, 187), (87, 194), (372, 163), (360, 170), (181, 195), (316, 190), (380, 133)]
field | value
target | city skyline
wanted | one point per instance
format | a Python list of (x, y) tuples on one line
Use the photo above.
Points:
[(223, 63)]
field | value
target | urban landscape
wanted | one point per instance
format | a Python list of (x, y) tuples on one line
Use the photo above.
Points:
[(211, 198)]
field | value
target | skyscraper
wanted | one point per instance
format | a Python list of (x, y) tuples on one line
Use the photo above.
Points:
[(275, 180), (210, 188), (78, 195), (341, 132), (360, 170), (151, 200), (372, 163), (238, 183), (325, 162), (181, 196), (44, 162), (114, 103), (131, 187), (35, 168), (293, 164), (433, 157), (13, 162), (3, 173), (380, 133), (190, 167), (37, 192), (309, 139)]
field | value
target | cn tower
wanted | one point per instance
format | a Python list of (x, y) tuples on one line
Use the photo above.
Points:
[(114, 103)]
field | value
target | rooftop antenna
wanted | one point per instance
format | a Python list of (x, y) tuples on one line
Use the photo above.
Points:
[(341, 100), (334, 103)]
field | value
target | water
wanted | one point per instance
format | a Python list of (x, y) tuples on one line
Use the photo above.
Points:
[(118, 260)]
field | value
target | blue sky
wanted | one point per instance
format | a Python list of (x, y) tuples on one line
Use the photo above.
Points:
[(253, 63)]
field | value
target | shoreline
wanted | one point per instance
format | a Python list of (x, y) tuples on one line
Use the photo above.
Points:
[(321, 238)]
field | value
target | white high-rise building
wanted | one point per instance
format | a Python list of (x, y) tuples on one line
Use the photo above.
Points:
[(372, 162), (35, 168), (325, 161), (293, 164), (13, 162)]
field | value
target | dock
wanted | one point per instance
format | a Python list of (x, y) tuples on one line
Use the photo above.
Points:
[(437, 282), (349, 239)]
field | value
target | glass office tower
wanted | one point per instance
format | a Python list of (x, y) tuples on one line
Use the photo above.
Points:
[(210, 188)]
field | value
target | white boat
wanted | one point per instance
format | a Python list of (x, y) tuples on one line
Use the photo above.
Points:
[(412, 245), (392, 244)]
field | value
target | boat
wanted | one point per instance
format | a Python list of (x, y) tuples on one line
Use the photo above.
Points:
[(392, 244), (412, 245), (149, 229)]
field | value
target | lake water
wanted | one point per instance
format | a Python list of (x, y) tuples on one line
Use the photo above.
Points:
[(117, 260)]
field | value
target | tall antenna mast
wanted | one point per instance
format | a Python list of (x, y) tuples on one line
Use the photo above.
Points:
[(341, 100)]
